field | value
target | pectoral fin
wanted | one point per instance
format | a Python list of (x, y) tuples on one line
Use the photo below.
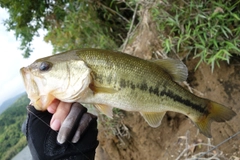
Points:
[(175, 68), (153, 118), (43, 102), (96, 87), (107, 110)]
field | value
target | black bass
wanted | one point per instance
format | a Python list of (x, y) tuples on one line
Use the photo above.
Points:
[(110, 79)]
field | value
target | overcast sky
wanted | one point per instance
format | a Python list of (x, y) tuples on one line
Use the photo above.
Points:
[(11, 59)]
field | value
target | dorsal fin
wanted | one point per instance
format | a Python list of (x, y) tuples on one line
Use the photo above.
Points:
[(175, 68)]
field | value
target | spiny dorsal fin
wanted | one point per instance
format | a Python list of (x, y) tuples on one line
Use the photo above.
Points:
[(107, 110), (176, 68), (154, 119)]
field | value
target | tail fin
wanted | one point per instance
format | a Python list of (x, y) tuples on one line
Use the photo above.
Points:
[(216, 112)]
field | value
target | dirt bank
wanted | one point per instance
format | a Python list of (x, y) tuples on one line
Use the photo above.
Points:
[(129, 137)]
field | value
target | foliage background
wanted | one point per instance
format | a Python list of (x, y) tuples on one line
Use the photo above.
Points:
[(12, 140), (208, 30)]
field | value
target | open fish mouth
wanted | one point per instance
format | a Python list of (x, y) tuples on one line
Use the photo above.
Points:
[(25, 76), (30, 85), (34, 85)]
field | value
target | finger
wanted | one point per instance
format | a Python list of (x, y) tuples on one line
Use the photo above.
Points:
[(53, 106), (70, 124), (84, 122), (61, 113)]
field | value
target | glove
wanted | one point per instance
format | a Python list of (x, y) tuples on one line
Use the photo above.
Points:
[(45, 143)]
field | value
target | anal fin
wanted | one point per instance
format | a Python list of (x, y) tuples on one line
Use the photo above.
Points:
[(107, 110), (154, 119)]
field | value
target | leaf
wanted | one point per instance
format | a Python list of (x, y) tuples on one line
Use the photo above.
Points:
[(235, 16)]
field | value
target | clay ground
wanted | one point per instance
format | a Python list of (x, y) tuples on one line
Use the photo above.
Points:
[(129, 137)]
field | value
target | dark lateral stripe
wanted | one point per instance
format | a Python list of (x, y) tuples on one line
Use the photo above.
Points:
[(127, 84), (144, 87), (185, 101), (177, 98)]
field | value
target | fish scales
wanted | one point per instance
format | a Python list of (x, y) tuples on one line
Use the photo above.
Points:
[(157, 83), (110, 79)]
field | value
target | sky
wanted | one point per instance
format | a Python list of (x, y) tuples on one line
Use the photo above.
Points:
[(11, 59)]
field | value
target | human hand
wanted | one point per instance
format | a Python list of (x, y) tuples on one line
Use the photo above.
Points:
[(42, 140), (64, 117)]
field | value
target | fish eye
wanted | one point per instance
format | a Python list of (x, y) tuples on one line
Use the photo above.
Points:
[(45, 66)]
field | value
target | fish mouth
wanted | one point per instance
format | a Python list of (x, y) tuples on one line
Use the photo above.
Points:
[(25, 76), (30, 85), (40, 102)]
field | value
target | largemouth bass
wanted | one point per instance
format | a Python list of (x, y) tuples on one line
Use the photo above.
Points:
[(110, 79)]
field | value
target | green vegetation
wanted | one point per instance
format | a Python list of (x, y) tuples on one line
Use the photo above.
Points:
[(27, 16), (70, 24), (208, 29), (12, 140), (80, 28)]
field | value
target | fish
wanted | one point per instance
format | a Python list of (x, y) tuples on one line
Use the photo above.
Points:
[(111, 79)]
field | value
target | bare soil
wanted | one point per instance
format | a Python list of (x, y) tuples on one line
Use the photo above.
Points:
[(129, 137)]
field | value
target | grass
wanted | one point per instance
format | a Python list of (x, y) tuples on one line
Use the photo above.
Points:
[(208, 30)]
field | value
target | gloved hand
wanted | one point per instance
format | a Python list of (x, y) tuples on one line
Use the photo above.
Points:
[(43, 141)]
